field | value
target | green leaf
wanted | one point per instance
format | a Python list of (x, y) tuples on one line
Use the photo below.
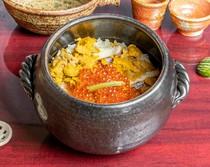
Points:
[(104, 85)]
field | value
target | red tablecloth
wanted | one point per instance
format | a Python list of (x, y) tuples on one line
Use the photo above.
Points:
[(183, 141)]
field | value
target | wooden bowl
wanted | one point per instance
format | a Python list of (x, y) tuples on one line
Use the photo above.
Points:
[(190, 17), (45, 16)]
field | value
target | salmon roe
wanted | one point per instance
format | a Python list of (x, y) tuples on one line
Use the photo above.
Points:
[(100, 74)]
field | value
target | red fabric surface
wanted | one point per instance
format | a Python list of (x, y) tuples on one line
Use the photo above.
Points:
[(183, 141)]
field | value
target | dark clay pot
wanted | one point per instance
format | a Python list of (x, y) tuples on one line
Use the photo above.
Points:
[(96, 128)]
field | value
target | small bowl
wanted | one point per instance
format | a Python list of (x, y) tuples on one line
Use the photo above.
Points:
[(45, 16), (104, 128), (191, 17), (149, 12)]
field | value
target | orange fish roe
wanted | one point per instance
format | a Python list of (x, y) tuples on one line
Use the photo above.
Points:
[(100, 74)]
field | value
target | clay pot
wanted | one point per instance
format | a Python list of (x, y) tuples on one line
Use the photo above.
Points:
[(104, 128)]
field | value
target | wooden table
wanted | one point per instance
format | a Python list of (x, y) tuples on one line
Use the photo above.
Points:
[(183, 141)]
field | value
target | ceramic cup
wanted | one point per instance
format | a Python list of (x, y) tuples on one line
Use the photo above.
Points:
[(190, 17), (149, 12)]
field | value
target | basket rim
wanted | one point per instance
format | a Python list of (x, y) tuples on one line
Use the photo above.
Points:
[(29, 10)]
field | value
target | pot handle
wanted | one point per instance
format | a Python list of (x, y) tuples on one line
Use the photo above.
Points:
[(108, 2), (26, 74), (183, 83)]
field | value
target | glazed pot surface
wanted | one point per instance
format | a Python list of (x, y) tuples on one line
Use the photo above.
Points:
[(111, 128)]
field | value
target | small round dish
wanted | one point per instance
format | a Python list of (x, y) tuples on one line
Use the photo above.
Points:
[(44, 17), (5, 133), (190, 17)]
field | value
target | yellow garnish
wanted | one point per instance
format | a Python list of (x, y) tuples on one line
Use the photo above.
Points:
[(86, 46), (72, 70), (104, 85), (134, 51)]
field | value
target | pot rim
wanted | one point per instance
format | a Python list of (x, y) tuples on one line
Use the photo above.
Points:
[(160, 44)]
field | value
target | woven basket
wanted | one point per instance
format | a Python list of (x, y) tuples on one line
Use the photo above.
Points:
[(44, 17)]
